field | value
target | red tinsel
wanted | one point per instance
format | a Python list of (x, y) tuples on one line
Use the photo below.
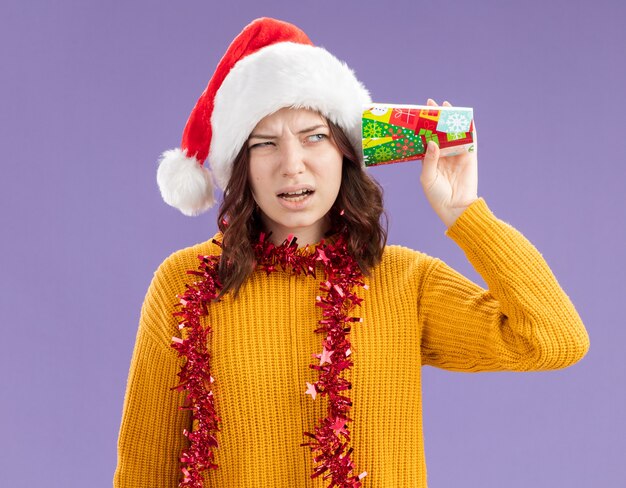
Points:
[(330, 440)]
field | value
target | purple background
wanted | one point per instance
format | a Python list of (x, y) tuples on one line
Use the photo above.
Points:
[(92, 92)]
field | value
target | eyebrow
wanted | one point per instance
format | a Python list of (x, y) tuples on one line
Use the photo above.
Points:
[(308, 129)]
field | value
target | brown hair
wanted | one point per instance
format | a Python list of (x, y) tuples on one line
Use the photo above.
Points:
[(360, 198)]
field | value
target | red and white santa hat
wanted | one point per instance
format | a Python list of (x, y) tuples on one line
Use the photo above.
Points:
[(270, 65)]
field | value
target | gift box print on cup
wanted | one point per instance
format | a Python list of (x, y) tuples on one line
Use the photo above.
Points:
[(395, 133)]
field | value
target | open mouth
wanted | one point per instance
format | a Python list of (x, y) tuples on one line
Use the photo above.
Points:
[(296, 196)]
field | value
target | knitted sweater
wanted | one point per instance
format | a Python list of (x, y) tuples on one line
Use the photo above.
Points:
[(416, 311)]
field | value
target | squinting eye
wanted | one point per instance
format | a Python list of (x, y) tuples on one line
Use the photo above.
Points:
[(316, 137), (261, 144)]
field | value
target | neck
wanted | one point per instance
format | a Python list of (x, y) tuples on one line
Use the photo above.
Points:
[(306, 235)]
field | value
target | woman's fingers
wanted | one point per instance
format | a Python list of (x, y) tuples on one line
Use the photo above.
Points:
[(432, 103), (429, 167), (431, 158)]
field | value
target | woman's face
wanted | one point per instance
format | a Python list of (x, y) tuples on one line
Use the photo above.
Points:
[(295, 173)]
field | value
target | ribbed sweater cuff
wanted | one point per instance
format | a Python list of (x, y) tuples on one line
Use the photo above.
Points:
[(475, 212), (477, 215), (496, 248), (489, 242)]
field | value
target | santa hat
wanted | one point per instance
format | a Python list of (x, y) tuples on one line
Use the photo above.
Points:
[(270, 65)]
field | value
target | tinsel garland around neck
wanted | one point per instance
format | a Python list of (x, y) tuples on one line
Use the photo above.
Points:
[(329, 442)]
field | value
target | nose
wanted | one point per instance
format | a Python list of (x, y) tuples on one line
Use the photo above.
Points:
[(292, 160)]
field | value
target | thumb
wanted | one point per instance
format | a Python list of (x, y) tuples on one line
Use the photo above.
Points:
[(429, 165)]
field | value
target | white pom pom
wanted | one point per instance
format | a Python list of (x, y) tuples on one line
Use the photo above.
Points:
[(184, 183)]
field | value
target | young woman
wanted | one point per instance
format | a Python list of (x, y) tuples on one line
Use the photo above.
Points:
[(286, 351)]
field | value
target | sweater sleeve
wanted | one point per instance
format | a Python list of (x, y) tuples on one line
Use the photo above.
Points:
[(524, 321), (150, 436)]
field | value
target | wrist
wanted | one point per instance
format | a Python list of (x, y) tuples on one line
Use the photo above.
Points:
[(450, 215)]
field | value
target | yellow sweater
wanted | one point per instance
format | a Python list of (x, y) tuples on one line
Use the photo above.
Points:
[(417, 311)]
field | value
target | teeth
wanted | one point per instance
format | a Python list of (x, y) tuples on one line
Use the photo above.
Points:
[(296, 196)]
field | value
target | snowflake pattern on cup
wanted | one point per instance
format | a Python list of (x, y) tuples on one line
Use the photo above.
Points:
[(454, 121)]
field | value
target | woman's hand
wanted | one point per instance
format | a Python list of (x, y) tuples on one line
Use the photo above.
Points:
[(451, 182)]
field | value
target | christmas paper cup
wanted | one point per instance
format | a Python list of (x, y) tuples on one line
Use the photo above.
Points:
[(395, 133)]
